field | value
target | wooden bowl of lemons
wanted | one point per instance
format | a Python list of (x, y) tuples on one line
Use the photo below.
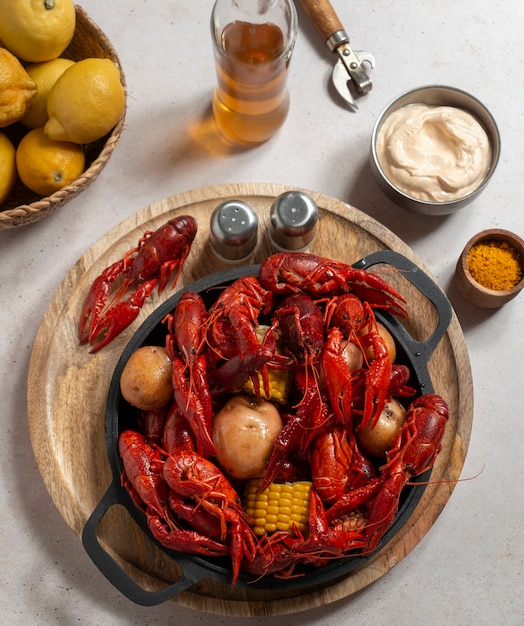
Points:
[(49, 155)]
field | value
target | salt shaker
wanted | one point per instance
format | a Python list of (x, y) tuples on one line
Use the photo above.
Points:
[(293, 222), (233, 231)]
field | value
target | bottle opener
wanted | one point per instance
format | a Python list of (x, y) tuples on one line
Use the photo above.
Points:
[(349, 77)]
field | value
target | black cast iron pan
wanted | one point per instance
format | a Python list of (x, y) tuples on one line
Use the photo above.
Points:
[(120, 416)]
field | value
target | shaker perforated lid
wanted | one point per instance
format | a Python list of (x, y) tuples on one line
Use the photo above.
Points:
[(233, 230), (293, 220)]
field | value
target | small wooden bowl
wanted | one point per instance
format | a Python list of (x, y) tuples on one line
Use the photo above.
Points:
[(474, 292), (23, 206)]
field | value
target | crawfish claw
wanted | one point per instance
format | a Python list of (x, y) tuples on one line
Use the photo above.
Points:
[(119, 317), (96, 299)]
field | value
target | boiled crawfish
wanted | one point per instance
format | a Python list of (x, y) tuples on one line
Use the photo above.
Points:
[(301, 427), (284, 273), (413, 452), (301, 326), (378, 372), (185, 345), (143, 478), (231, 335), (337, 464), (313, 308), (158, 257), (200, 482)]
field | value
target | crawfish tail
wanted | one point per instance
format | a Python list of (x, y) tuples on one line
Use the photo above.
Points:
[(143, 467), (185, 540), (398, 382), (354, 499), (195, 408)]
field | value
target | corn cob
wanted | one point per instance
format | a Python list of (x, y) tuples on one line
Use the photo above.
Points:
[(279, 379), (280, 506)]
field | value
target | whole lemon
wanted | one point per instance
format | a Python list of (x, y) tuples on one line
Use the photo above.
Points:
[(45, 165), (37, 30), (7, 167), (17, 89), (45, 76), (86, 101)]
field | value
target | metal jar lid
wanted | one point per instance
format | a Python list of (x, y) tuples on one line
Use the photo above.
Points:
[(233, 230), (293, 221)]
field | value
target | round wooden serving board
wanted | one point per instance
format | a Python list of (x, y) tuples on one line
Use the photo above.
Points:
[(67, 391)]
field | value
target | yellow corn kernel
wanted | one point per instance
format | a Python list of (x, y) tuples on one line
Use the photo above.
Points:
[(279, 379), (281, 506), (279, 385)]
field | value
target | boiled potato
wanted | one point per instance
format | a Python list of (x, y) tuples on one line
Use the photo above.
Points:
[(377, 441), (244, 431), (146, 379), (353, 356)]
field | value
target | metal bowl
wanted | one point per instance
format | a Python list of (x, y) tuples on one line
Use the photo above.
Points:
[(474, 292), (438, 96)]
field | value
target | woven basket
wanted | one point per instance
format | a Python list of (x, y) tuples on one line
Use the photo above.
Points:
[(24, 206)]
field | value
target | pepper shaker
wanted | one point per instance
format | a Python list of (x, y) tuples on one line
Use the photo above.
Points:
[(233, 231), (293, 222)]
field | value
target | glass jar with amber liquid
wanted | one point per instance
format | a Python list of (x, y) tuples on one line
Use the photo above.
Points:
[(252, 44)]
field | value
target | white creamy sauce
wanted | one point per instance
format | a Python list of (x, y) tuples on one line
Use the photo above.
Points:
[(434, 153)]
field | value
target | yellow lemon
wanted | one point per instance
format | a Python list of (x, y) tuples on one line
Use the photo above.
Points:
[(45, 165), (37, 30), (7, 167), (17, 89), (45, 76), (86, 101)]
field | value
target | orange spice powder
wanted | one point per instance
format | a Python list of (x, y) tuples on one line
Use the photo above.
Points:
[(495, 265)]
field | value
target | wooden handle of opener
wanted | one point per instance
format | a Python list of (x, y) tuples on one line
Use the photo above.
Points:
[(322, 14)]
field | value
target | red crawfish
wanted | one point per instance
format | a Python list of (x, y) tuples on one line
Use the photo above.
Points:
[(185, 345), (344, 316), (337, 377), (232, 337), (158, 257), (345, 312), (286, 273), (152, 424), (143, 478), (301, 324), (337, 465), (413, 452), (379, 370), (397, 386), (203, 485), (353, 320), (302, 426), (177, 434)]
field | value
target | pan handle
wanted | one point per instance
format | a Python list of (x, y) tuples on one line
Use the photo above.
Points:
[(421, 350), (117, 576)]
